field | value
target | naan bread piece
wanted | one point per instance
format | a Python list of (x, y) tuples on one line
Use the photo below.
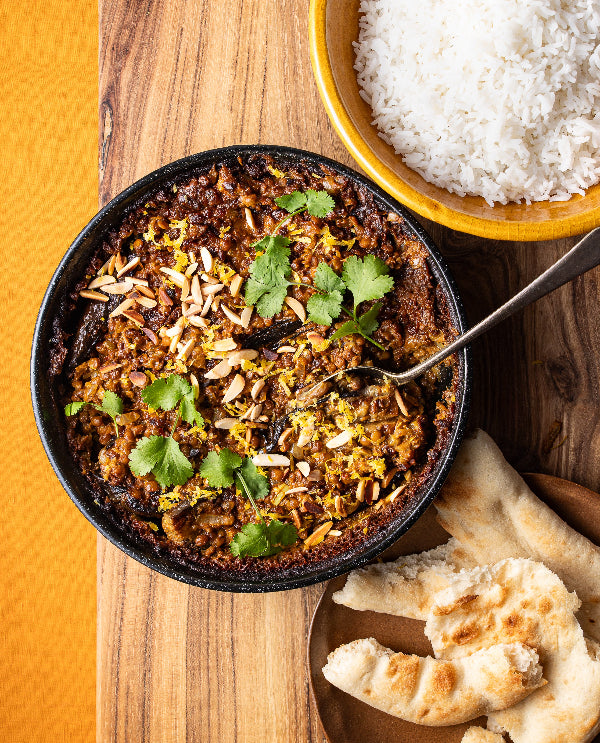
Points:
[(405, 587), (480, 735), (433, 692), (519, 600), (488, 507)]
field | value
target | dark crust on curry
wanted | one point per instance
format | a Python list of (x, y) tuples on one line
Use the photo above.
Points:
[(80, 327)]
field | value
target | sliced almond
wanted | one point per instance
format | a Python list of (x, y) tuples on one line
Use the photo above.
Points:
[(101, 281), (334, 533), (340, 506), (189, 271), (226, 423), (164, 298), (209, 279), (271, 460), (304, 468), (197, 295), (109, 368), (245, 316), (235, 388), (401, 403), (360, 491), (249, 219), (301, 489), (225, 344), (206, 307), (172, 332), (185, 289), (176, 276), (221, 370), (214, 305), (209, 290), (122, 287), (150, 334), (395, 493), (305, 436), (231, 315), (139, 379), (286, 349), (207, 259), (91, 294), (134, 316), (296, 307), (111, 264), (119, 262), (236, 285), (246, 354), (389, 476), (129, 266), (257, 388), (175, 341), (145, 290), (186, 350), (192, 309), (318, 534), (125, 305), (297, 519), (284, 436), (342, 438), (198, 322), (137, 282), (147, 302), (256, 411)]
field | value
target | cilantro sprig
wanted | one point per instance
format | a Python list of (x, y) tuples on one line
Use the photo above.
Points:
[(111, 404), (262, 539), (161, 455)]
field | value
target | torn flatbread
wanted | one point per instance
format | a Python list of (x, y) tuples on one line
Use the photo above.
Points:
[(476, 734)]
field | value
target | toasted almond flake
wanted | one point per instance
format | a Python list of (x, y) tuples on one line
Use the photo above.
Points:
[(91, 294), (172, 332), (316, 341), (120, 288), (150, 334), (236, 285), (371, 491), (101, 281), (235, 388), (164, 298), (139, 379), (186, 350), (297, 519), (249, 219), (318, 534), (132, 264), (185, 289), (248, 435), (305, 436), (263, 418), (134, 316), (256, 411), (389, 476), (301, 489), (285, 349), (207, 259), (214, 305), (211, 289), (304, 468), (334, 533), (206, 307), (176, 276), (195, 385), (209, 279), (191, 309), (340, 506), (342, 438), (109, 367), (145, 290), (111, 264), (231, 315), (245, 316), (296, 307), (227, 423), (119, 262), (145, 302), (125, 305), (246, 354), (246, 415), (221, 370), (189, 271), (308, 393), (284, 436), (270, 460), (395, 493), (197, 295), (360, 491), (175, 341), (401, 403), (257, 388), (198, 322), (137, 282), (225, 344)]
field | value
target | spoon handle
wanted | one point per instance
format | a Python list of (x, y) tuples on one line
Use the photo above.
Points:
[(581, 258)]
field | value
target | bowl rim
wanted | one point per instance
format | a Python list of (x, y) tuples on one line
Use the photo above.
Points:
[(507, 229), (87, 240)]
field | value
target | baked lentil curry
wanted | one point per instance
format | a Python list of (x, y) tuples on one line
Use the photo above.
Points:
[(188, 356)]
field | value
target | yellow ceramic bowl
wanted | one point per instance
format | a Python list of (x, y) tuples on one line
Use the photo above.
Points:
[(333, 26)]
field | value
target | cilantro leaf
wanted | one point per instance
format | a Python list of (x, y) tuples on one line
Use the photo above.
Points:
[(324, 308), (189, 413), (111, 404), (217, 468), (166, 393), (346, 329), (291, 202), (327, 280), (367, 279), (319, 203), (262, 540), (258, 484), (73, 407), (162, 456), (267, 286), (368, 322)]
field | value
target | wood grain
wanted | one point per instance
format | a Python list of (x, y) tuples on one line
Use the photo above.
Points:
[(178, 76)]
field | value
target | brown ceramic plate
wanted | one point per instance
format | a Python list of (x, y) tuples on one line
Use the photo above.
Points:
[(345, 719)]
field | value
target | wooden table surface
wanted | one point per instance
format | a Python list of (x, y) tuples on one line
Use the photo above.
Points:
[(177, 663)]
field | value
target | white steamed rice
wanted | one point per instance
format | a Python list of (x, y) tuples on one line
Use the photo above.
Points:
[(494, 98)]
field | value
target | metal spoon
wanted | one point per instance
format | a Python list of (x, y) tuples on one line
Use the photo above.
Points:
[(581, 258)]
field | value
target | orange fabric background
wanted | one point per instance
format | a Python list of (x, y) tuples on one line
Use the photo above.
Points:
[(48, 138)]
